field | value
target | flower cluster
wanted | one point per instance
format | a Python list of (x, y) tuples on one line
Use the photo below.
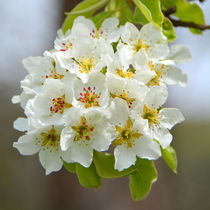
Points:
[(100, 88)]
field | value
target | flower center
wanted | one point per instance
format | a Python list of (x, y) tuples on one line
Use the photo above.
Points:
[(156, 80), (89, 97), (59, 105), (54, 74), (51, 138), (126, 74), (83, 130), (85, 65), (140, 45), (125, 97), (66, 46), (96, 33), (151, 115), (126, 135)]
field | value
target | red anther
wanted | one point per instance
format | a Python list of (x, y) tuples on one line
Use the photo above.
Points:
[(87, 137), (81, 94), (94, 88), (89, 88), (84, 89), (62, 50)]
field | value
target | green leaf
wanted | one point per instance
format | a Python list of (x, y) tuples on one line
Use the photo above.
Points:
[(169, 155), (168, 29), (144, 10), (140, 182), (139, 17), (71, 167), (85, 8), (99, 18), (104, 164), (155, 10), (186, 11), (88, 177), (121, 10)]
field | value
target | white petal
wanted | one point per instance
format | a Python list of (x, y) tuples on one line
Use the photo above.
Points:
[(124, 157), (16, 99), (163, 136), (110, 24), (119, 111), (146, 148), (67, 137), (170, 117), (26, 145), (159, 51), (179, 54), (50, 160), (21, 124), (156, 96), (82, 154), (129, 33), (151, 34), (175, 76)]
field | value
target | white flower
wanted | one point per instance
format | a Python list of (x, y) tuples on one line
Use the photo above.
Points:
[(149, 38), (82, 61), (137, 70), (85, 28), (92, 94), (130, 140), (129, 90), (50, 105), (46, 141), (166, 73), (85, 131), (157, 120)]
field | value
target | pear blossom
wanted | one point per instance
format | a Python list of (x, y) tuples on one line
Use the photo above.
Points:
[(130, 91), (130, 140), (100, 89), (92, 94), (44, 140), (85, 131), (52, 103), (108, 31), (157, 120), (149, 39)]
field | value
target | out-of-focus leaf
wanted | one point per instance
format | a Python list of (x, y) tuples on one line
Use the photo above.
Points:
[(140, 182), (169, 155), (168, 29), (104, 164), (186, 11), (71, 167), (88, 177), (85, 8), (121, 10), (99, 18)]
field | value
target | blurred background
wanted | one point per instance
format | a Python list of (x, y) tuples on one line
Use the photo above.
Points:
[(27, 29)]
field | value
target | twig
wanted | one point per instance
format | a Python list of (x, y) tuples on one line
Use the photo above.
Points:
[(181, 23), (177, 23)]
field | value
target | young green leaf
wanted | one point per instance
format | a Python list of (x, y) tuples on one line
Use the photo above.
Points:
[(169, 155), (104, 164), (168, 29), (144, 10), (88, 177), (99, 18), (71, 167), (121, 10), (140, 182), (155, 10), (186, 11), (86, 8)]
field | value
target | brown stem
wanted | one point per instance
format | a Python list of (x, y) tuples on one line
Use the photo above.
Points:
[(177, 23)]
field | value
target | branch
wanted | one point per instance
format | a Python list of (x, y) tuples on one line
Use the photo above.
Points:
[(177, 23)]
